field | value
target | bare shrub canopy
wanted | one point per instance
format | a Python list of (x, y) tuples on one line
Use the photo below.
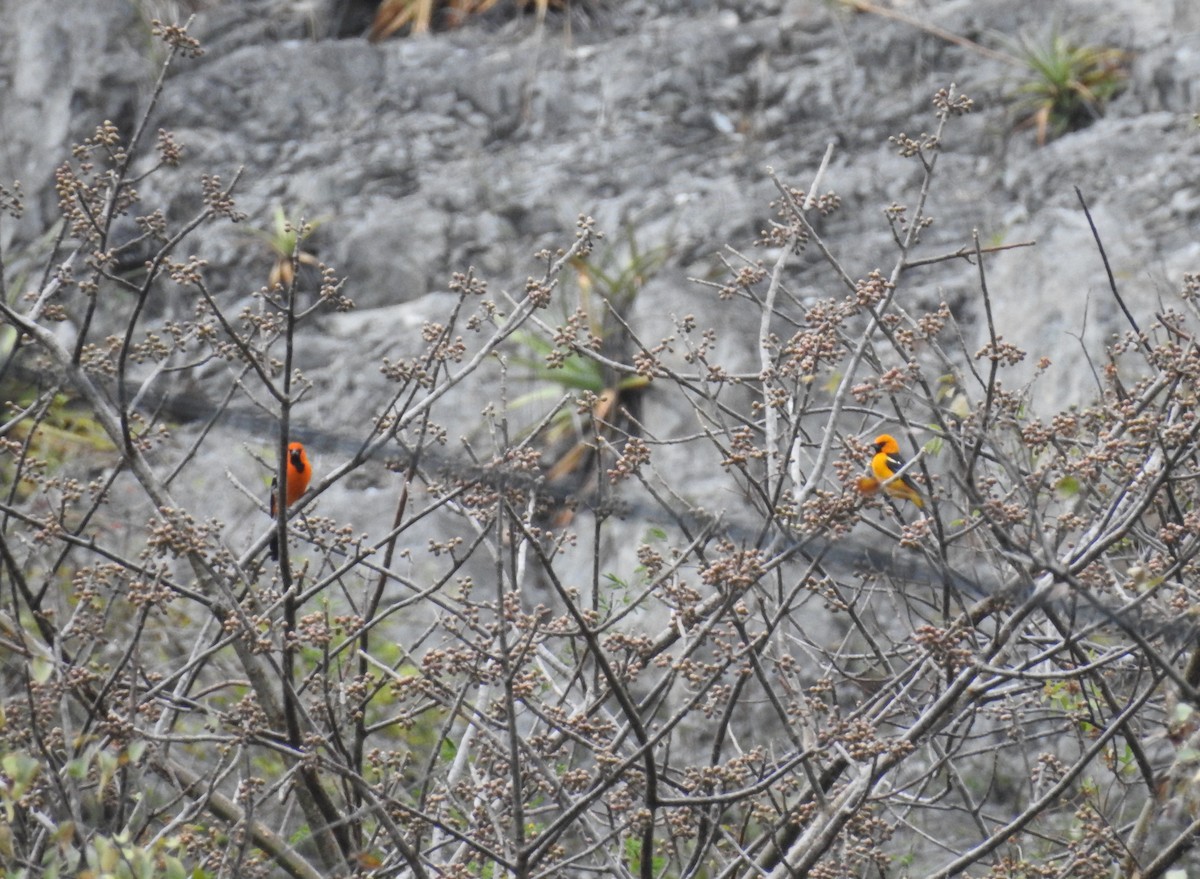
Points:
[(809, 681)]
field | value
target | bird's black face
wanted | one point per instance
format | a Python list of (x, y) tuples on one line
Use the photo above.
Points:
[(297, 460), (879, 447)]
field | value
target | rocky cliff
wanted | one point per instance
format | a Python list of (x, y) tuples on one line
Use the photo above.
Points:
[(477, 147)]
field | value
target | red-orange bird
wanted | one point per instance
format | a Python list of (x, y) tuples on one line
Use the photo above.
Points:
[(298, 474)]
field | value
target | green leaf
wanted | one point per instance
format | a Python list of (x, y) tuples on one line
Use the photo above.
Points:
[(1068, 486), (133, 753), (41, 670)]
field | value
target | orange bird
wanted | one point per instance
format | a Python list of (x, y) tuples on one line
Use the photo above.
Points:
[(298, 474), (885, 463)]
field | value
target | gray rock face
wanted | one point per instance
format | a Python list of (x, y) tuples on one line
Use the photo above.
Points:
[(422, 157)]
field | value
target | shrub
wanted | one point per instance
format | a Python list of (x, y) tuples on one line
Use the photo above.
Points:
[(811, 682), (1067, 85)]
